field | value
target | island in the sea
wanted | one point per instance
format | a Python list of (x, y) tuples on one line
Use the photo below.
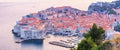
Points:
[(68, 21)]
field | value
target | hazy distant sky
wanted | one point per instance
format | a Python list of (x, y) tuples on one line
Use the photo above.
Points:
[(80, 4), (50, 0)]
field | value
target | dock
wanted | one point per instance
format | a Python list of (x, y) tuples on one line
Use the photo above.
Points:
[(61, 44)]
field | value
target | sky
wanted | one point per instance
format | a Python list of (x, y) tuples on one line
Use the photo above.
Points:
[(80, 4), (49, 0)]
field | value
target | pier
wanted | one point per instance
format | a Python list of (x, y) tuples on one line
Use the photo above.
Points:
[(61, 44)]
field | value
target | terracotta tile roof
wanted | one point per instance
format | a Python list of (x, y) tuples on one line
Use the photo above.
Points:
[(73, 21)]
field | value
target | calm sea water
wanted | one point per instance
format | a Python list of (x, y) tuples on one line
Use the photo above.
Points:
[(12, 12)]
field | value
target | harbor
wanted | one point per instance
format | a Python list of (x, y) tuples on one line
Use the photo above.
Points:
[(64, 41), (67, 42)]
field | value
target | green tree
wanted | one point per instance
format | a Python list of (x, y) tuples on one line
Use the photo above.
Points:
[(96, 34), (86, 44), (111, 11), (93, 39), (105, 46)]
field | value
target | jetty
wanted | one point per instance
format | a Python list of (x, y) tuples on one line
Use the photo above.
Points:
[(61, 44)]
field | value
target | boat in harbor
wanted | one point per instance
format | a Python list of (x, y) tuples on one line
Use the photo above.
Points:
[(64, 41), (18, 41)]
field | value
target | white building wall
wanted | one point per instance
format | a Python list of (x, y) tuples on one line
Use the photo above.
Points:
[(33, 34), (36, 34), (26, 34), (22, 33), (30, 33)]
